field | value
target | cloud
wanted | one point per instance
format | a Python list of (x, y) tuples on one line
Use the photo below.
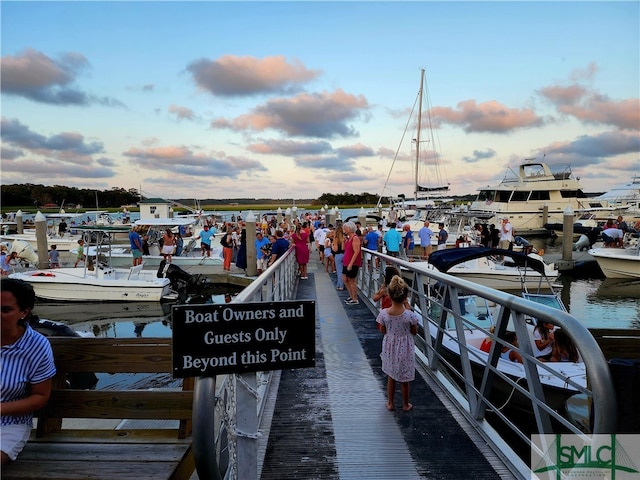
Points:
[(289, 147), (480, 155), (37, 77), (182, 160), (182, 113), (487, 117), (323, 115), (68, 146), (595, 108), (231, 76)]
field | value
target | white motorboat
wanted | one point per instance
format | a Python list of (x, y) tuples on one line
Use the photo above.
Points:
[(496, 268), (618, 262), (190, 255), (98, 281), (531, 197), (63, 243)]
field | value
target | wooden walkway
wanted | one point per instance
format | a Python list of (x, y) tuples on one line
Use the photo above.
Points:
[(331, 422)]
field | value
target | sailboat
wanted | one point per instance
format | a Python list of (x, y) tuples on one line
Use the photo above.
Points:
[(426, 167)]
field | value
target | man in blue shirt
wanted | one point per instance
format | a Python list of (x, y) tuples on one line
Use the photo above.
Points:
[(392, 240), (425, 234), (407, 241), (261, 257), (135, 241), (371, 239), (279, 248)]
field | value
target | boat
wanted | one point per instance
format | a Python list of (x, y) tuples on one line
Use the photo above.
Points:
[(533, 196), (618, 262), (190, 256), (496, 268), (625, 197), (97, 280), (560, 380)]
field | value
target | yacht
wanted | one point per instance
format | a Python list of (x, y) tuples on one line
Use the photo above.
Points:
[(531, 197)]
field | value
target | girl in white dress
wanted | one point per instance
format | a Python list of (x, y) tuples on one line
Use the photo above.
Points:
[(399, 325)]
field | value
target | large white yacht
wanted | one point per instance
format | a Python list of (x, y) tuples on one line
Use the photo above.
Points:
[(531, 197)]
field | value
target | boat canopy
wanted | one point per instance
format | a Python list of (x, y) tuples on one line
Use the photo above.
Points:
[(443, 260), (166, 222)]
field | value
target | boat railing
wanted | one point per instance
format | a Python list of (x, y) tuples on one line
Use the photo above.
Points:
[(227, 409), (437, 298)]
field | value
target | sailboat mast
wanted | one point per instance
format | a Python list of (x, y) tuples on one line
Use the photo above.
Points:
[(418, 133)]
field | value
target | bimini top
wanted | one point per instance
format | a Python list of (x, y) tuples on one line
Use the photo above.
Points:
[(443, 260)]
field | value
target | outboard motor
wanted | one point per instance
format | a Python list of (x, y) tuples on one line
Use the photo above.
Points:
[(582, 244), (179, 278)]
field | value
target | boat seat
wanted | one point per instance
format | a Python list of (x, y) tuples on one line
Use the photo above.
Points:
[(134, 272), (125, 431)]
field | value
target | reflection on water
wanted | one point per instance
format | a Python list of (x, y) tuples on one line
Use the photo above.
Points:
[(126, 319), (601, 303)]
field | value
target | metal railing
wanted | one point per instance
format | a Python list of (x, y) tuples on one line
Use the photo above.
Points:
[(227, 410), (479, 388)]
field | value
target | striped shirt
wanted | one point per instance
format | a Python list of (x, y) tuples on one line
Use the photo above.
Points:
[(25, 362)]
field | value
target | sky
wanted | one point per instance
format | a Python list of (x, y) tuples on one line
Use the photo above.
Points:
[(272, 99)]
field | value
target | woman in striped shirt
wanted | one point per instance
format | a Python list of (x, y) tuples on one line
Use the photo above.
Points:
[(26, 363)]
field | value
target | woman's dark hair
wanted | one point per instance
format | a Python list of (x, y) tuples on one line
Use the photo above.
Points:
[(398, 289), (544, 333), (21, 290)]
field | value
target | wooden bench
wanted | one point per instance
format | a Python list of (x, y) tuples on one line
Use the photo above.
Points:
[(59, 451)]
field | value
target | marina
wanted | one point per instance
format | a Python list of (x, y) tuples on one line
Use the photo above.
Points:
[(137, 321)]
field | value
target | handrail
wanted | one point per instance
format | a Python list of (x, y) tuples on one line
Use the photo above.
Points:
[(215, 423), (443, 322)]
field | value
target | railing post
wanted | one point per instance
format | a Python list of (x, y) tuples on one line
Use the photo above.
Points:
[(247, 426)]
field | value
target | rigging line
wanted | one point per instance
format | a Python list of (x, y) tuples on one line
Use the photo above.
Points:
[(406, 127)]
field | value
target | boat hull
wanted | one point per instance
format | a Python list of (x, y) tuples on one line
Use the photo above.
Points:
[(102, 285), (618, 263), (121, 260)]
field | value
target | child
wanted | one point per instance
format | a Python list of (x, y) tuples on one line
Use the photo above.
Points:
[(79, 253), (509, 353), (54, 257), (398, 358), (383, 294)]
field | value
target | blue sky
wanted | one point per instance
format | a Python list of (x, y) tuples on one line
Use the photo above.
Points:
[(295, 99)]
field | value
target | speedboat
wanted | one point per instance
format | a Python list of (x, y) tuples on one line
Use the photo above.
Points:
[(189, 257), (618, 262), (97, 280), (559, 380), (496, 268)]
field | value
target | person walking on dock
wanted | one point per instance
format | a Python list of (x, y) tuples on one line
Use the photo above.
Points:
[(398, 325)]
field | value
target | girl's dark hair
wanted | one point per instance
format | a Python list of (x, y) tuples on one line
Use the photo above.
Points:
[(544, 333), (389, 273), (22, 291), (398, 289)]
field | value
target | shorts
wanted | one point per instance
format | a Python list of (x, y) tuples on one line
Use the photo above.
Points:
[(205, 246), (262, 263), (327, 252), (136, 253), (14, 438), (167, 250), (353, 273), (606, 238)]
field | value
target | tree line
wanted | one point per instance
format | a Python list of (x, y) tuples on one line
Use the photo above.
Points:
[(25, 195)]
